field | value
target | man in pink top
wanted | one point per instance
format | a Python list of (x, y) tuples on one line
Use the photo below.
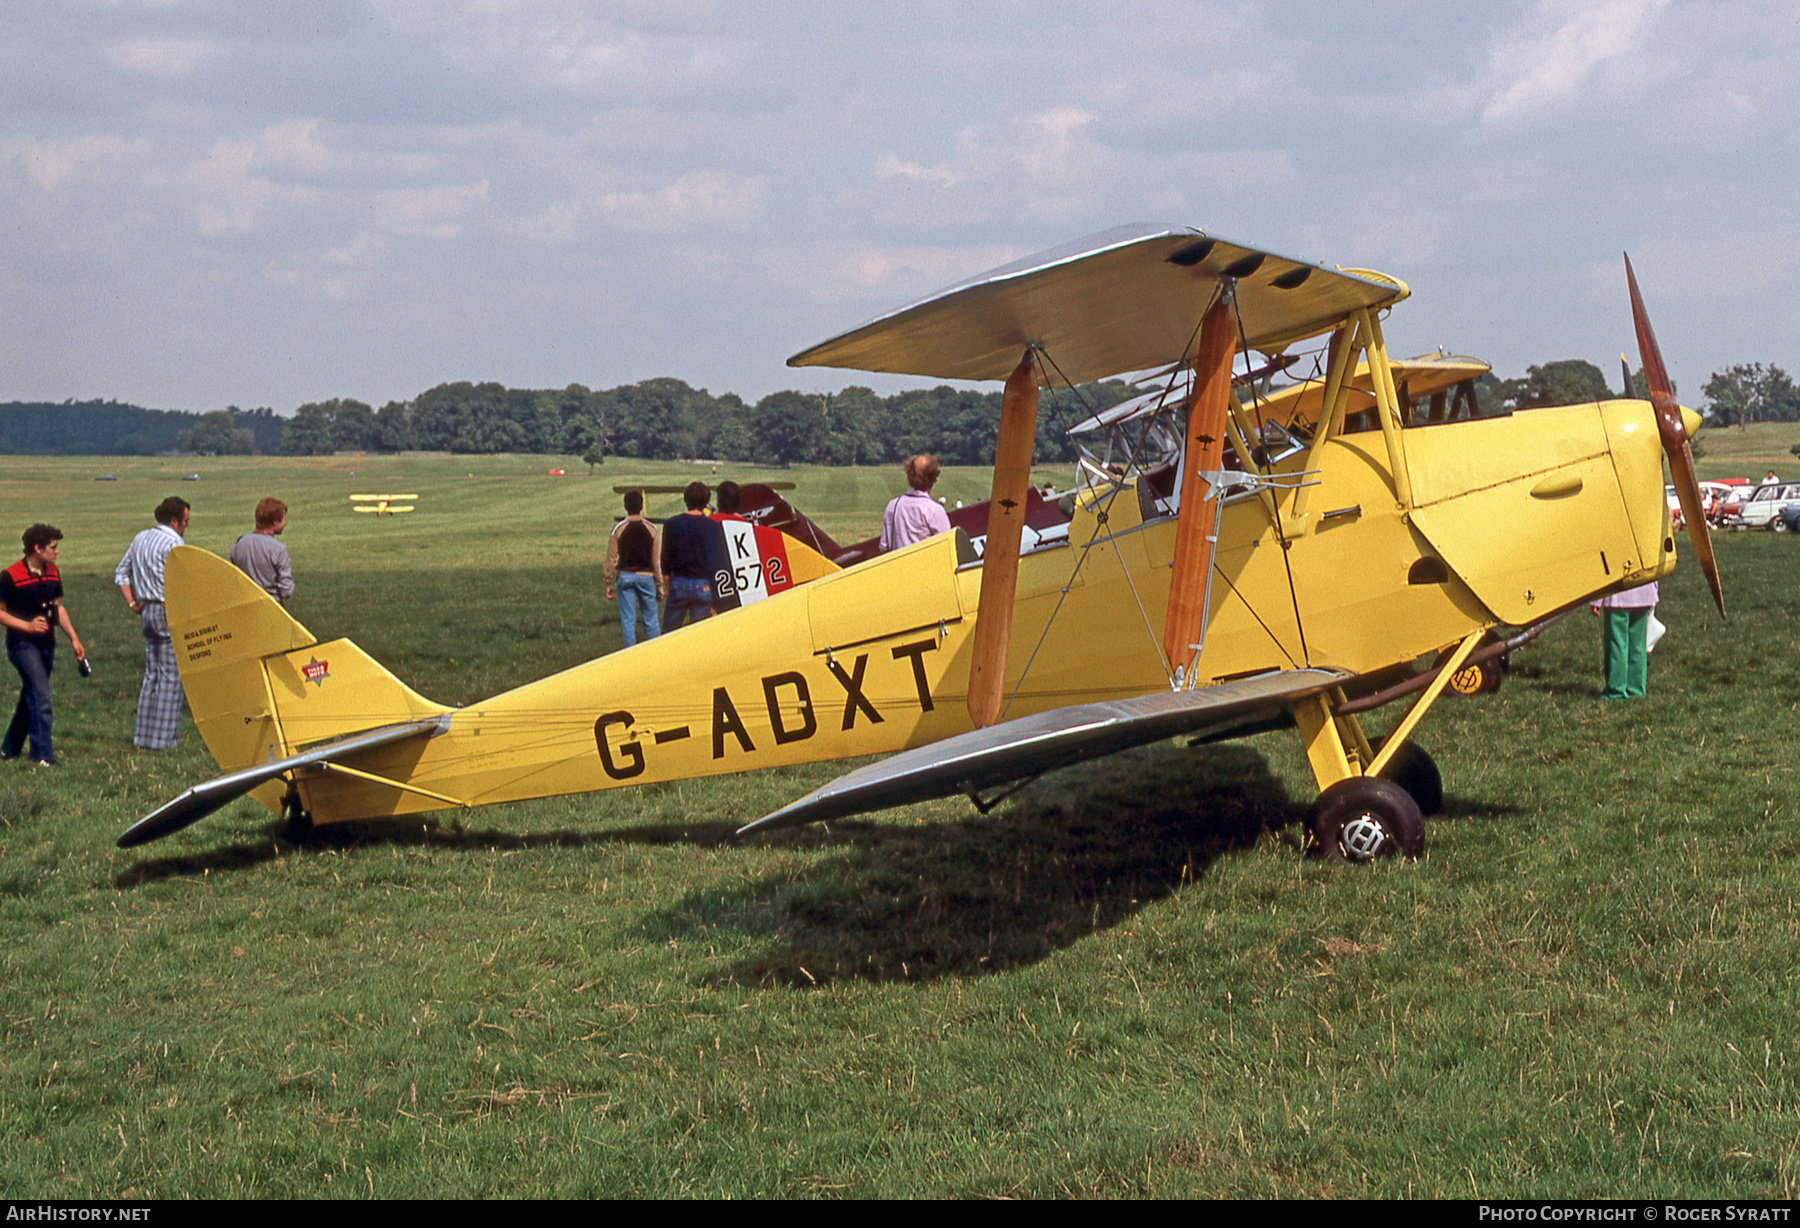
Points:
[(915, 515)]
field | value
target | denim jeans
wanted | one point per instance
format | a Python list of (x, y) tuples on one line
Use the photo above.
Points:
[(690, 600), (34, 662), (637, 596)]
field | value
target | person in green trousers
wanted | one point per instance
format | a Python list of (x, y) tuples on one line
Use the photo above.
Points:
[(1624, 646)]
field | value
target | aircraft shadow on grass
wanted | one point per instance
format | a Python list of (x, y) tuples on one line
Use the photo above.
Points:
[(1116, 812), (275, 842), (1071, 855), (1074, 854)]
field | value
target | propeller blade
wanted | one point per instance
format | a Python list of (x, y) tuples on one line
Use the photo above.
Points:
[(1674, 439)]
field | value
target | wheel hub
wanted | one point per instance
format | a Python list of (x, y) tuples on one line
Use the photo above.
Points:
[(1363, 838)]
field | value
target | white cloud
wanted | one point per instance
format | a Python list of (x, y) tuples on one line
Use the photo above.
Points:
[(366, 250), (890, 165), (167, 58), (379, 156), (900, 271), (1552, 58), (554, 224), (342, 274), (229, 196), (578, 47), (430, 213), (710, 197), (1047, 164), (233, 188), (291, 146), (59, 164)]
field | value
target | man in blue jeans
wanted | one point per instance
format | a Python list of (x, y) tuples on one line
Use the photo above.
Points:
[(634, 570), (687, 552), (31, 609)]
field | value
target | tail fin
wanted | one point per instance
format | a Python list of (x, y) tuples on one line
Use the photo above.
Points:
[(759, 504), (259, 684)]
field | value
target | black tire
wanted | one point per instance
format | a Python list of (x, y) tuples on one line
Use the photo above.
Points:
[(297, 819), (1414, 770), (1482, 678), (1367, 817), (1778, 525)]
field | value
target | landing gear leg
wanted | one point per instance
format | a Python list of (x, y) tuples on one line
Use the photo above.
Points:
[(1360, 817)]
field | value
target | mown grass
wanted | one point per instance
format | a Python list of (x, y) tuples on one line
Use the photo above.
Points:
[(1749, 451), (1126, 981)]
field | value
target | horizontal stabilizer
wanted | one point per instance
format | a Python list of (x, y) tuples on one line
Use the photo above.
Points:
[(1031, 745), (202, 800)]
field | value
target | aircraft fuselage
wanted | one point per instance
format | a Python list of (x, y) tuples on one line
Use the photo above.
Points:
[(876, 658)]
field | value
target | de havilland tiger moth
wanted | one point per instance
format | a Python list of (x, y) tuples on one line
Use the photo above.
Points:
[(1238, 557)]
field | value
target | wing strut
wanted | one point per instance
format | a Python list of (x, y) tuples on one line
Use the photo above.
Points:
[(1006, 525), (1203, 470)]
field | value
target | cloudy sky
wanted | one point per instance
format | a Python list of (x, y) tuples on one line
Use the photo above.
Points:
[(214, 202)]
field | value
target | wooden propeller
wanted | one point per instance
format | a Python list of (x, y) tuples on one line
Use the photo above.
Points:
[(1674, 439)]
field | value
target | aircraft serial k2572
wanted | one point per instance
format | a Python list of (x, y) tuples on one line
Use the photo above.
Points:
[(1239, 557)]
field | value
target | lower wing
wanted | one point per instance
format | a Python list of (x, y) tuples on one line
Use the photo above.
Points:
[(1016, 750)]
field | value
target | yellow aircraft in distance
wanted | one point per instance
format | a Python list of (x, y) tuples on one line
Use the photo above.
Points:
[(383, 505), (1238, 557)]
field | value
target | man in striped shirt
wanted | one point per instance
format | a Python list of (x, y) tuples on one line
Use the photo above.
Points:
[(140, 580)]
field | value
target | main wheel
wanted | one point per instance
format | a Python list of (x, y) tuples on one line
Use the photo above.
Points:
[(1414, 770), (1482, 678), (1367, 817)]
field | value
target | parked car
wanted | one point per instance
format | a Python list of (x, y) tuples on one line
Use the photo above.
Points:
[(1763, 508), (1730, 500), (1714, 497)]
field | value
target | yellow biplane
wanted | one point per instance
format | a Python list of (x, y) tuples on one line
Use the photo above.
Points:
[(384, 505), (1238, 557)]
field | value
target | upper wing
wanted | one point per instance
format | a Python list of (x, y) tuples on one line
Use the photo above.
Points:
[(1126, 299), (1033, 744)]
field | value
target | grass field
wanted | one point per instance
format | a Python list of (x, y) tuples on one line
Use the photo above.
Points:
[(1126, 982), (1749, 451)]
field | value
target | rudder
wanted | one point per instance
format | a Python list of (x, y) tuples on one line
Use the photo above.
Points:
[(259, 684)]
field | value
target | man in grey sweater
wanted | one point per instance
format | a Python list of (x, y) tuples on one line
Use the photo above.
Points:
[(261, 557)]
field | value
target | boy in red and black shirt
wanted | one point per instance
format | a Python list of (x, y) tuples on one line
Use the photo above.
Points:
[(31, 609)]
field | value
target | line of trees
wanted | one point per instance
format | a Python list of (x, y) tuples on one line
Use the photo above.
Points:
[(1736, 396), (112, 428), (666, 419)]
